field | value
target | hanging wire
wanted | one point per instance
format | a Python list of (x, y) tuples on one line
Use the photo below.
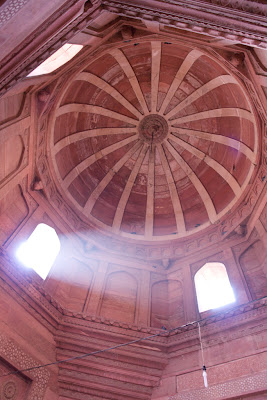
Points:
[(164, 332), (205, 378), (90, 354), (201, 344)]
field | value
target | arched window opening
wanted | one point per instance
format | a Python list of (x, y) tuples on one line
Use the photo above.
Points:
[(56, 60), (40, 250), (213, 287)]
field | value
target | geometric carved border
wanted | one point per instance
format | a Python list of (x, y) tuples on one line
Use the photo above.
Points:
[(12, 7), (13, 354), (238, 387)]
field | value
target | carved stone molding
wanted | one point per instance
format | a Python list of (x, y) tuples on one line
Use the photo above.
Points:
[(14, 355), (248, 12), (30, 293), (184, 18), (248, 6), (10, 9), (237, 387), (37, 299), (9, 390), (223, 320), (11, 74)]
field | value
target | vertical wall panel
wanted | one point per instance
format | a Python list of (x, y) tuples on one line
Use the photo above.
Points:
[(70, 282), (11, 153), (119, 300), (253, 262), (79, 287), (13, 210), (167, 307)]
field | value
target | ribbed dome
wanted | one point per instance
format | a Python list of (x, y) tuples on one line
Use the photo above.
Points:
[(153, 141)]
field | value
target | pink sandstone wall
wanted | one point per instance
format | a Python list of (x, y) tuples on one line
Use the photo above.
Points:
[(132, 292), (24, 342), (92, 299)]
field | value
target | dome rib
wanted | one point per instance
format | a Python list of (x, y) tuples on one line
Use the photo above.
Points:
[(106, 180), (101, 84), (235, 144), (196, 182), (211, 162), (202, 91), (155, 71), (180, 75), (180, 223), (170, 166), (129, 72), (127, 190), (90, 160)]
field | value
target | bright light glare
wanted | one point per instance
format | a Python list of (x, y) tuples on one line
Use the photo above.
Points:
[(213, 287), (40, 250), (60, 57)]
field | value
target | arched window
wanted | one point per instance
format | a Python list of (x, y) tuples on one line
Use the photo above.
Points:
[(40, 250), (213, 287), (60, 57)]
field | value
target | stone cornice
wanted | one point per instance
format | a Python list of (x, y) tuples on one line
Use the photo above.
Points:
[(243, 7), (44, 41), (20, 360), (202, 18), (228, 325), (25, 290), (205, 17)]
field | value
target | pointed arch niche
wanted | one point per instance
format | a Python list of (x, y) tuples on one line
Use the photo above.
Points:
[(119, 300), (213, 287)]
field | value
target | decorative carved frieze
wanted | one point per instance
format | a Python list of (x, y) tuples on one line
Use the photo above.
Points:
[(57, 38), (10, 9), (238, 387), (9, 390), (183, 17), (19, 359)]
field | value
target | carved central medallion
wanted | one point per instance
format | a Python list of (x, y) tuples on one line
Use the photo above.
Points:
[(141, 139), (9, 391), (153, 128)]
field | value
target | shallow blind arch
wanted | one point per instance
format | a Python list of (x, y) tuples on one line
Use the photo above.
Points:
[(120, 297), (40, 250), (213, 287)]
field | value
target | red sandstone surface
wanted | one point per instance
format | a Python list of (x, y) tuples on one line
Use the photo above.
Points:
[(147, 154)]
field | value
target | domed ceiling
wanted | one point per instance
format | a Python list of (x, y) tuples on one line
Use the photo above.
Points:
[(153, 141)]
